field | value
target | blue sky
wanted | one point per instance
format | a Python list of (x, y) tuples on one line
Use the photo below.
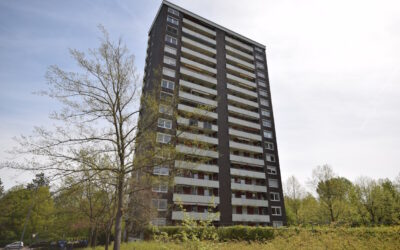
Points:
[(334, 71)]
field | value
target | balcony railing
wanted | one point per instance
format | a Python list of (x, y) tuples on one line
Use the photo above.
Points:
[(242, 90), (197, 75), (238, 52), (241, 62), (248, 187), (198, 35), (241, 80), (247, 173), (195, 199), (243, 112), (240, 71), (197, 99), (178, 215), (249, 202), (195, 182), (245, 147), (200, 27), (240, 44), (190, 42), (244, 134), (246, 160), (243, 101), (198, 55), (197, 137), (198, 66), (197, 87), (197, 166), (250, 217), (185, 121), (243, 122), (196, 151), (197, 111)]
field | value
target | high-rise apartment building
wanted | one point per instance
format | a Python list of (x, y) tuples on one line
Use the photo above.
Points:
[(198, 63)]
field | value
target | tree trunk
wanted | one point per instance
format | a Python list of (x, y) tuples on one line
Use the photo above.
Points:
[(118, 216)]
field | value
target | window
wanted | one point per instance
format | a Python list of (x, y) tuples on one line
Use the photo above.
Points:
[(259, 65), (266, 123), (164, 123), (276, 210), (270, 158), (260, 74), (172, 30), (269, 145), (168, 72), (260, 57), (161, 170), (267, 134), (273, 196), (263, 101), (207, 125), (172, 20), (271, 170), (265, 112), (159, 222), (160, 187), (263, 93), (193, 122), (273, 183), (163, 138), (277, 224), (259, 49), (160, 204), (169, 60), (164, 109), (164, 96), (262, 83), (172, 40), (167, 84), (170, 50), (173, 11)]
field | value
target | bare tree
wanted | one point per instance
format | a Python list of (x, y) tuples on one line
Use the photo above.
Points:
[(294, 193)]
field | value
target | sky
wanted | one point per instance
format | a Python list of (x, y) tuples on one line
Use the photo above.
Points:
[(334, 70)]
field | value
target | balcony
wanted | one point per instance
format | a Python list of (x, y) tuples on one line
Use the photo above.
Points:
[(241, 71), (198, 55), (238, 52), (242, 122), (178, 215), (250, 218), (194, 74), (185, 121), (249, 202), (197, 99), (197, 87), (246, 160), (198, 66), (197, 137), (197, 111), (245, 147), (195, 182), (241, 62), (248, 187), (197, 166), (200, 27), (195, 199), (196, 151), (242, 90), (241, 80), (240, 44), (189, 42), (246, 135), (247, 173), (242, 101), (200, 36), (243, 112)]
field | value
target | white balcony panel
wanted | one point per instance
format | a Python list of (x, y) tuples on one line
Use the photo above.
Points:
[(195, 199), (197, 87), (197, 137), (178, 215), (247, 187), (186, 40), (243, 112), (197, 111), (240, 61), (195, 182), (241, 71), (236, 51), (250, 218), (243, 122), (244, 134), (194, 74), (243, 101), (247, 173), (242, 90), (245, 147), (197, 166), (196, 151), (198, 65), (200, 27), (240, 44), (241, 80), (249, 202), (197, 99), (185, 121), (199, 55), (246, 160), (198, 35)]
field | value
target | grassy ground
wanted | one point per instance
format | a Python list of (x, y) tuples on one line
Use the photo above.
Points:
[(339, 238)]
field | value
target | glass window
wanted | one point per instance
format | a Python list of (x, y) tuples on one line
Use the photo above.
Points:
[(262, 84), (163, 138), (266, 123), (172, 20), (263, 101), (274, 196), (267, 134), (260, 65), (173, 11), (167, 84), (164, 109), (273, 183), (269, 145), (276, 210), (260, 74), (159, 222), (265, 112), (259, 49), (172, 30), (263, 93), (168, 72), (160, 204), (160, 187), (167, 97), (260, 57), (270, 158), (164, 123), (169, 60), (170, 39), (161, 170), (277, 223), (170, 50), (271, 170)]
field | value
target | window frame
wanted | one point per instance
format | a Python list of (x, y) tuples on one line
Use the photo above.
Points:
[(163, 123), (173, 11), (165, 107), (167, 84), (163, 138), (276, 208), (273, 195), (269, 133), (171, 50), (273, 170), (166, 70), (169, 60), (171, 40), (172, 20)]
